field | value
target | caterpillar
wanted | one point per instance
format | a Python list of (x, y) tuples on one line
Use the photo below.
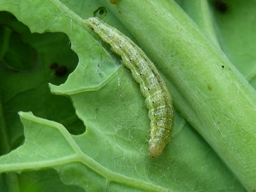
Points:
[(157, 97)]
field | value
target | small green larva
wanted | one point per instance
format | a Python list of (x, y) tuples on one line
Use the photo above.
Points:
[(153, 88)]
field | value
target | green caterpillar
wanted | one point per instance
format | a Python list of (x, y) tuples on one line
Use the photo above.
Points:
[(153, 88)]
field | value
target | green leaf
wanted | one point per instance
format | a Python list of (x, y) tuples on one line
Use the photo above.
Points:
[(112, 154)]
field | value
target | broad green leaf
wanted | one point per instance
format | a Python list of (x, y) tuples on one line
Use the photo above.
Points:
[(112, 154)]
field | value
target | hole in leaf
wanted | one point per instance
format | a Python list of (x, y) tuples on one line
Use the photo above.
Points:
[(26, 68), (101, 12)]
